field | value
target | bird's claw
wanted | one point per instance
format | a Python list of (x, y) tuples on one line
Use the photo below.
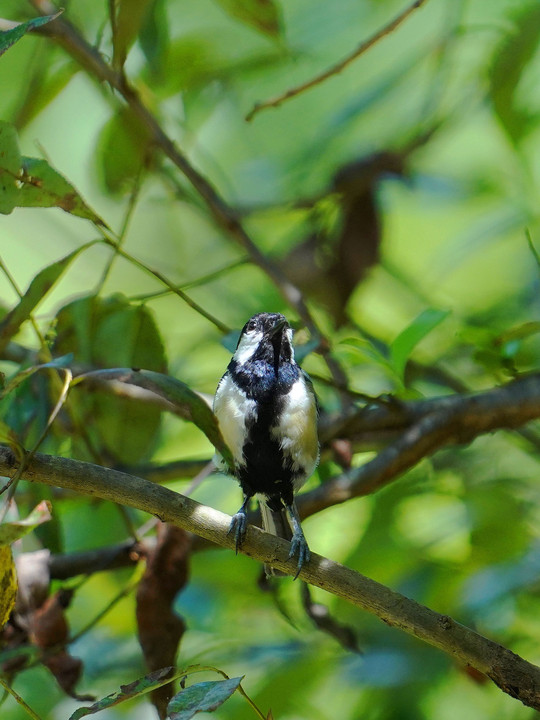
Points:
[(299, 547), (239, 527)]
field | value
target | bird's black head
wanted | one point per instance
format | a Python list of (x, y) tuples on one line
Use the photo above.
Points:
[(265, 336)]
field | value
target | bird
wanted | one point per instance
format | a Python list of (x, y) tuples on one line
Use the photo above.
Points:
[(267, 412)]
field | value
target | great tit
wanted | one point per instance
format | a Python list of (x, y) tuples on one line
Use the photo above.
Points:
[(267, 412)]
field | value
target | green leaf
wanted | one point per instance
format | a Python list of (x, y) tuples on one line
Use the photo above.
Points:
[(263, 15), (32, 182), (135, 689), (154, 35), (112, 332), (43, 186), (10, 165), (8, 584), (18, 378), (11, 531), (408, 339), (201, 697), (130, 17), (123, 148), (10, 37), (184, 402), (10, 437), (37, 290), (510, 60)]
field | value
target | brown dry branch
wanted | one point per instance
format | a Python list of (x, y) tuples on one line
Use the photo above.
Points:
[(339, 66), (511, 673)]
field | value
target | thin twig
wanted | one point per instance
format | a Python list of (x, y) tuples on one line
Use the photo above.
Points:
[(339, 66), (511, 673), (173, 288), (134, 195), (19, 699)]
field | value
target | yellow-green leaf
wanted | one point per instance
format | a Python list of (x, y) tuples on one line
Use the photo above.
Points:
[(11, 531), (8, 584)]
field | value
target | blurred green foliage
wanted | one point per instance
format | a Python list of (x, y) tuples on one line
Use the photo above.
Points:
[(451, 283)]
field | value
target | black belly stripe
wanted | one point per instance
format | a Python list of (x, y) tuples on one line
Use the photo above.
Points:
[(266, 470)]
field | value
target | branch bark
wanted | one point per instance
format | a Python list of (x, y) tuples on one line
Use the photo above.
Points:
[(426, 426), (511, 673)]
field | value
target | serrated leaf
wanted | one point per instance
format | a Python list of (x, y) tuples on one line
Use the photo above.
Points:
[(8, 584), (11, 531), (263, 15), (184, 401), (408, 339), (10, 165), (127, 692), (130, 17), (43, 186), (510, 59), (37, 290), (10, 37), (201, 697)]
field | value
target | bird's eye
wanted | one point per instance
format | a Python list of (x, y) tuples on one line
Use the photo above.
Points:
[(252, 324)]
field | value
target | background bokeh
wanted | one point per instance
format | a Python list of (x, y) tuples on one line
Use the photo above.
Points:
[(451, 102)]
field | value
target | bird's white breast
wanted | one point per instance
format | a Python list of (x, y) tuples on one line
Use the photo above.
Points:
[(233, 410), (296, 430)]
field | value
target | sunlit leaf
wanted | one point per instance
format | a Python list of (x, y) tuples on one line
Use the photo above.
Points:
[(201, 697), (10, 37), (8, 583), (10, 165), (11, 531), (130, 17), (408, 339), (43, 186), (135, 689), (37, 290), (263, 15)]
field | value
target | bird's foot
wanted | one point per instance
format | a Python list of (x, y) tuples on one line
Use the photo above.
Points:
[(239, 527), (299, 548)]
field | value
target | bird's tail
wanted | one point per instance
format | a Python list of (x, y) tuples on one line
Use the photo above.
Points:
[(276, 523)]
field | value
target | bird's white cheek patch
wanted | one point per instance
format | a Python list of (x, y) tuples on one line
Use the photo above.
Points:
[(297, 430), (233, 409), (249, 343)]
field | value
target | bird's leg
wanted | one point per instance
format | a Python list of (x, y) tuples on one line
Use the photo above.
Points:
[(299, 544), (239, 523)]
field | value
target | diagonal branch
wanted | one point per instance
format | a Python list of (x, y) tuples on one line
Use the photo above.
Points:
[(426, 426), (511, 673), (339, 66)]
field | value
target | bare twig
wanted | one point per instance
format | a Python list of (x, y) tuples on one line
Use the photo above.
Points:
[(339, 66), (511, 673)]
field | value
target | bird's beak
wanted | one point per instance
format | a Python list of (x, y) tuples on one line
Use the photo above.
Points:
[(278, 327)]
